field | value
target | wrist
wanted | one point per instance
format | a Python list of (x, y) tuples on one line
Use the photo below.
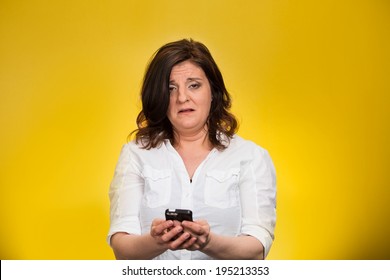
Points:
[(208, 244), (159, 247)]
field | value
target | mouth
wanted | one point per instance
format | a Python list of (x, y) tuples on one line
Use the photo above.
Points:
[(187, 110)]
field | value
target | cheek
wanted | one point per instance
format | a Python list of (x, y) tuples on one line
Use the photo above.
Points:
[(206, 104)]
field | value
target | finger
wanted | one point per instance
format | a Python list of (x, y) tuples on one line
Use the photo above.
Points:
[(160, 228), (157, 222), (180, 240), (172, 233), (189, 243), (194, 228)]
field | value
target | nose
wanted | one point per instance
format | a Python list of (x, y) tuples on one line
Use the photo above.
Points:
[(182, 95)]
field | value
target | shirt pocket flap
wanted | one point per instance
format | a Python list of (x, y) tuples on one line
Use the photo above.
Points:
[(157, 188), (223, 175), (155, 174), (221, 188)]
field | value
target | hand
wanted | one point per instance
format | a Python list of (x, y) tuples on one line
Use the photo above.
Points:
[(200, 232), (170, 234)]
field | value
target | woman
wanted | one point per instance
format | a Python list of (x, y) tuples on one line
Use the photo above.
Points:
[(186, 155)]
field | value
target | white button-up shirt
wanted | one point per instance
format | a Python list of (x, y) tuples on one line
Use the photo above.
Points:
[(234, 190)]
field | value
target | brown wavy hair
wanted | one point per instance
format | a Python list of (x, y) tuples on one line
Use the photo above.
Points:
[(153, 124)]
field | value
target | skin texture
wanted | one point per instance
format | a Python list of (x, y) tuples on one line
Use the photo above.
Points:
[(190, 99)]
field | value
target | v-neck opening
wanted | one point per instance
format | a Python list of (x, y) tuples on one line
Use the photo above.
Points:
[(198, 168)]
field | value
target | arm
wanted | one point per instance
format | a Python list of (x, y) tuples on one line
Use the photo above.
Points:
[(258, 199), (223, 247), (131, 246), (147, 246), (239, 247)]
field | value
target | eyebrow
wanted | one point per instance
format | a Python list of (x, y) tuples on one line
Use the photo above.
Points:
[(189, 80)]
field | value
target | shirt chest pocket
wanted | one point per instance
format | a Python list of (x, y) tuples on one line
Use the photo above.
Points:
[(157, 190), (221, 188)]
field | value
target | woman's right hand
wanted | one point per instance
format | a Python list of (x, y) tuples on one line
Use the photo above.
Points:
[(170, 234)]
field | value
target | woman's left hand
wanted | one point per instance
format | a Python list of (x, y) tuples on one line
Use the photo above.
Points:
[(200, 232)]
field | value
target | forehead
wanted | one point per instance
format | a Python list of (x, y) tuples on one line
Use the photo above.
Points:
[(187, 69)]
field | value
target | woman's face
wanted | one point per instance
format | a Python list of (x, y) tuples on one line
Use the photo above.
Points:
[(190, 98)]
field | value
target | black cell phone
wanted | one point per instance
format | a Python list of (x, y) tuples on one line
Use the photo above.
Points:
[(178, 215)]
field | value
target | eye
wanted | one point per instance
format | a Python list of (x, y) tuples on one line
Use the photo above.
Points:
[(171, 88), (194, 85)]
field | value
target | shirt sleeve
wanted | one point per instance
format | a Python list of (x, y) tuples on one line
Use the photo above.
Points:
[(125, 195), (258, 198)]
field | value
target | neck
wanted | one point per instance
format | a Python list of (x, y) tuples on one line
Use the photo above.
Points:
[(192, 140)]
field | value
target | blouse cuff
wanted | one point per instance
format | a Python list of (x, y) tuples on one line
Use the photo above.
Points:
[(131, 226), (260, 234)]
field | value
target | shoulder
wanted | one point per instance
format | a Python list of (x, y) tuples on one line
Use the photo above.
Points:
[(237, 143), (135, 147), (249, 152), (137, 152)]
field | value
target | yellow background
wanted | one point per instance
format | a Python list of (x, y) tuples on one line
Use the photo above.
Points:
[(309, 81)]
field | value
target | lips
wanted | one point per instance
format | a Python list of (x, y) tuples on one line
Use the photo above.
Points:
[(187, 110)]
